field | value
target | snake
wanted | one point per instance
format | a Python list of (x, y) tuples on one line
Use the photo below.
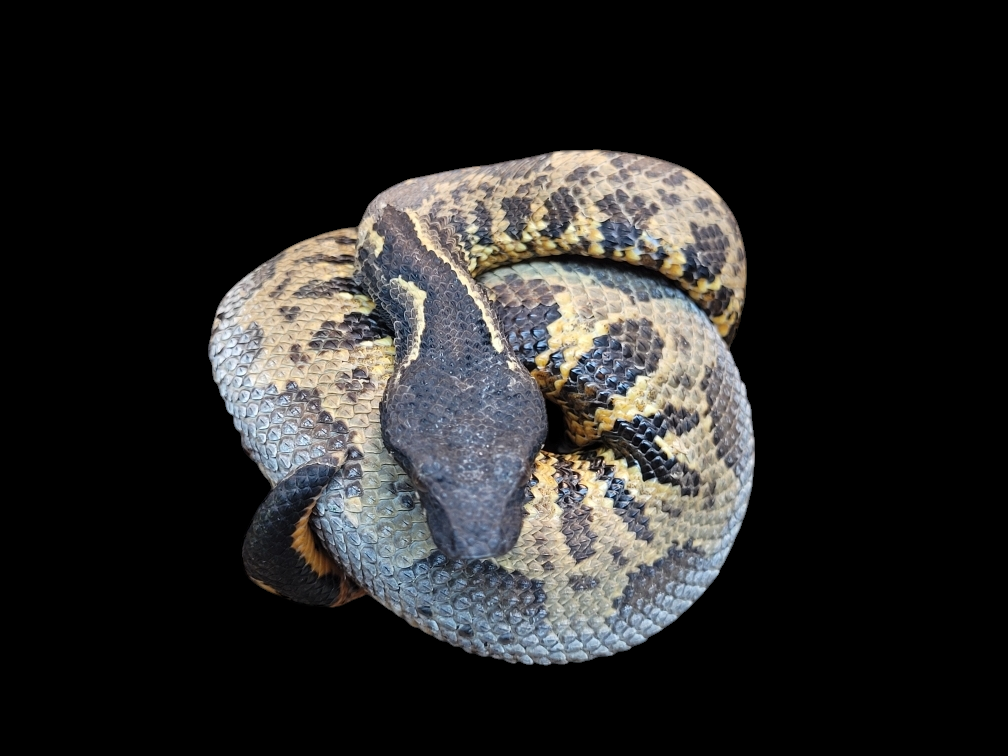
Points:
[(504, 405)]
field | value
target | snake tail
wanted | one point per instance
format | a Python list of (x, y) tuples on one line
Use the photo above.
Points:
[(280, 552)]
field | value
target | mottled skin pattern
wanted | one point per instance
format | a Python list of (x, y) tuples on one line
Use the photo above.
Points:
[(616, 539)]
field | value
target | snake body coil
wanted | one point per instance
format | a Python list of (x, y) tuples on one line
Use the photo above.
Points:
[(396, 404)]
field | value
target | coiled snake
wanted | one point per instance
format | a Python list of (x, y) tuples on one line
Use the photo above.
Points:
[(396, 405)]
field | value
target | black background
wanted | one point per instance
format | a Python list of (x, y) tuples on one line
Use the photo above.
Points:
[(290, 188)]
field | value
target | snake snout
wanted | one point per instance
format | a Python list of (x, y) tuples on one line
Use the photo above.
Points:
[(474, 505)]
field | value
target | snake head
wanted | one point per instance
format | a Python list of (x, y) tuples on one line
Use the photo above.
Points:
[(469, 455), (474, 504)]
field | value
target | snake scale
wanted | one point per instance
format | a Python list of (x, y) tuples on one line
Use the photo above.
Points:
[(396, 404)]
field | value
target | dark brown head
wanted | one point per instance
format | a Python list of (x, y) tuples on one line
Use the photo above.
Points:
[(461, 416), (469, 452)]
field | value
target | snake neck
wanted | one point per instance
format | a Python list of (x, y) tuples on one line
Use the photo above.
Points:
[(460, 415)]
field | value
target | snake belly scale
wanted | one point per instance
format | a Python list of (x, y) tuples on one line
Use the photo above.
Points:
[(389, 381)]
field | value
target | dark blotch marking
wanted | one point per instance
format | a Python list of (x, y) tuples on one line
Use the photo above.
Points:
[(618, 231), (525, 309), (482, 235), (671, 199), (459, 194), (290, 313), (298, 424), (318, 257), (639, 346), (676, 179), (641, 212), (715, 302), (618, 235), (578, 175), (635, 440), (705, 257), (354, 328), (648, 582), (561, 209), (725, 410), (625, 505), (297, 356), (487, 188), (316, 289), (517, 211), (576, 518), (517, 291), (631, 349)]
